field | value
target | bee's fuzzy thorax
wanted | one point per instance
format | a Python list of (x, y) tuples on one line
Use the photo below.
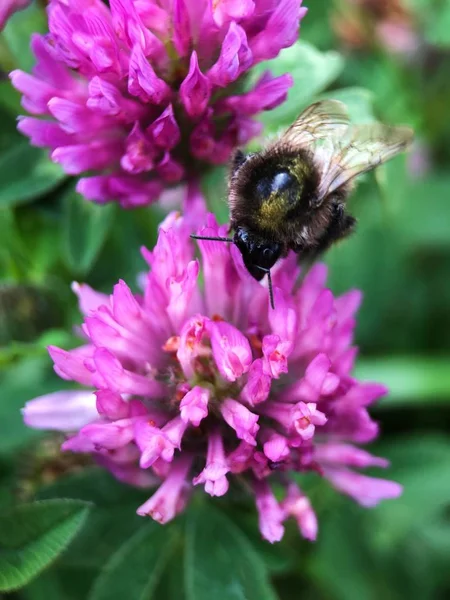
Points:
[(253, 199)]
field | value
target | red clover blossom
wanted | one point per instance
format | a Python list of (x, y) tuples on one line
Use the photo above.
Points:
[(194, 386), (142, 95)]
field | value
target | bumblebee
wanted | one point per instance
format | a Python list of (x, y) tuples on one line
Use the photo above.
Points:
[(292, 195)]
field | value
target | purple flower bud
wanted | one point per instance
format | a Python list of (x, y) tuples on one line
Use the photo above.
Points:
[(242, 420), (121, 380), (72, 365), (194, 405), (63, 411), (170, 169), (195, 90), (269, 92), (140, 154), (239, 460), (214, 473), (43, 133), (111, 405), (182, 26), (335, 453), (276, 447), (271, 515), (157, 443), (164, 130), (190, 343), (281, 30), (258, 384), (170, 499), (275, 354), (109, 435), (231, 350), (298, 506), (367, 491), (88, 299), (226, 10), (85, 157), (143, 81), (316, 377), (306, 417), (235, 57)]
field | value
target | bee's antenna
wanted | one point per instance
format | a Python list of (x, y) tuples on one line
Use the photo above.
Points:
[(211, 239), (269, 279)]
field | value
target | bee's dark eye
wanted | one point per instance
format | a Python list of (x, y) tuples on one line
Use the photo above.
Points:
[(267, 253)]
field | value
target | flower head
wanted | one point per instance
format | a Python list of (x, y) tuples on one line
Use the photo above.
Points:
[(194, 385), (143, 94)]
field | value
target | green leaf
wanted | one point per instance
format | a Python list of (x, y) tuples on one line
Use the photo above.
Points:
[(111, 522), (84, 231), (410, 379), (438, 31), (134, 570), (18, 31), (9, 99), (60, 583), (426, 222), (214, 187), (434, 15), (221, 564), (422, 465), (170, 586), (26, 173), (342, 564), (26, 311), (278, 558), (316, 27), (359, 102), (34, 535), (312, 72)]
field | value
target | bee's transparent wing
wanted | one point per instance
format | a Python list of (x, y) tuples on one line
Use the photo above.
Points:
[(317, 122), (362, 148)]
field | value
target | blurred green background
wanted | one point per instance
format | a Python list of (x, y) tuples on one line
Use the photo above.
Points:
[(388, 60)]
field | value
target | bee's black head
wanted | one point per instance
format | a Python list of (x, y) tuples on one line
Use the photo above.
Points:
[(259, 254)]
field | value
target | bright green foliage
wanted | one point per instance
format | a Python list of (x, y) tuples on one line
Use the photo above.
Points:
[(134, 570), (84, 230), (220, 562), (26, 174), (33, 535)]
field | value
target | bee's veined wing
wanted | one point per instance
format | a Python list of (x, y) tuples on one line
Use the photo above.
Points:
[(361, 149), (317, 122)]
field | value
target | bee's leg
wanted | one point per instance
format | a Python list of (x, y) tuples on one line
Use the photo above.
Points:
[(341, 225)]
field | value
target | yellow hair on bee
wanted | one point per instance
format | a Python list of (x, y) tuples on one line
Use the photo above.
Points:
[(273, 211)]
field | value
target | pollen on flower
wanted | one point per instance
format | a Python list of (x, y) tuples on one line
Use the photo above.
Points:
[(302, 423), (172, 344), (242, 394)]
